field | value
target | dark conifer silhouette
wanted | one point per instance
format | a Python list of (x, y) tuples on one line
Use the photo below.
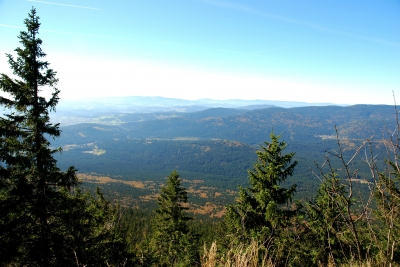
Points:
[(41, 217)]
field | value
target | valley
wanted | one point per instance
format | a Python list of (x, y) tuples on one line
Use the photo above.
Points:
[(216, 146)]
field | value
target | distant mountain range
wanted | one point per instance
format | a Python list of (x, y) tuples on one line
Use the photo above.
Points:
[(147, 104), (92, 110), (300, 124)]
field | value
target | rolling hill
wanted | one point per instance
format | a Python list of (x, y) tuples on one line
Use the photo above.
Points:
[(217, 145)]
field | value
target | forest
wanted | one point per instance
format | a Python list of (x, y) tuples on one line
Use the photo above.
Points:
[(48, 219)]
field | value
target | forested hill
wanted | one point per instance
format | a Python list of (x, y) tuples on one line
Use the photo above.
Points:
[(216, 145), (301, 124)]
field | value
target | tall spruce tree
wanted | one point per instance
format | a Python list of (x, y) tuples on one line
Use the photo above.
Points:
[(42, 222), (172, 241), (31, 180), (260, 211)]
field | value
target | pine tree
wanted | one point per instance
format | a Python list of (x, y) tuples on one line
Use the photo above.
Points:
[(42, 221), (32, 179), (93, 234), (261, 210), (172, 241)]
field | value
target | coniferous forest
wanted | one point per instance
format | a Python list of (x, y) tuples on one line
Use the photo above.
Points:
[(48, 219)]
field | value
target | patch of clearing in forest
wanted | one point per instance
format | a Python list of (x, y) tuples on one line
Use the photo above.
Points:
[(196, 181), (199, 192), (96, 151), (203, 191), (147, 198), (210, 209), (217, 194), (70, 147), (105, 180)]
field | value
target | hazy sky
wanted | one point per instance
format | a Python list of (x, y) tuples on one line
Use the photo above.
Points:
[(337, 51)]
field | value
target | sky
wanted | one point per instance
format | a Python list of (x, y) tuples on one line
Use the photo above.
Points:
[(331, 51)]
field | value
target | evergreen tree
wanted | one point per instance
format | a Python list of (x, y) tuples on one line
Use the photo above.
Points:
[(32, 180), (172, 241), (93, 234), (325, 220), (41, 219), (260, 212)]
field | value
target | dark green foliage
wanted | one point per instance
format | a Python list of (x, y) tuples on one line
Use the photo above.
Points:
[(222, 162), (172, 242), (261, 210), (208, 230), (42, 221), (90, 232), (337, 227), (138, 231), (32, 183), (325, 221)]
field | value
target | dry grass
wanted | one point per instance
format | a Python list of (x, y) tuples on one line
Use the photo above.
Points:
[(209, 258), (240, 256), (105, 180), (147, 198), (217, 194), (199, 192), (363, 264), (230, 192), (210, 209), (219, 213), (250, 256)]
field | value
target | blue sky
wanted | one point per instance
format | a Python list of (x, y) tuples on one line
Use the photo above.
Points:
[(337, 51)]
